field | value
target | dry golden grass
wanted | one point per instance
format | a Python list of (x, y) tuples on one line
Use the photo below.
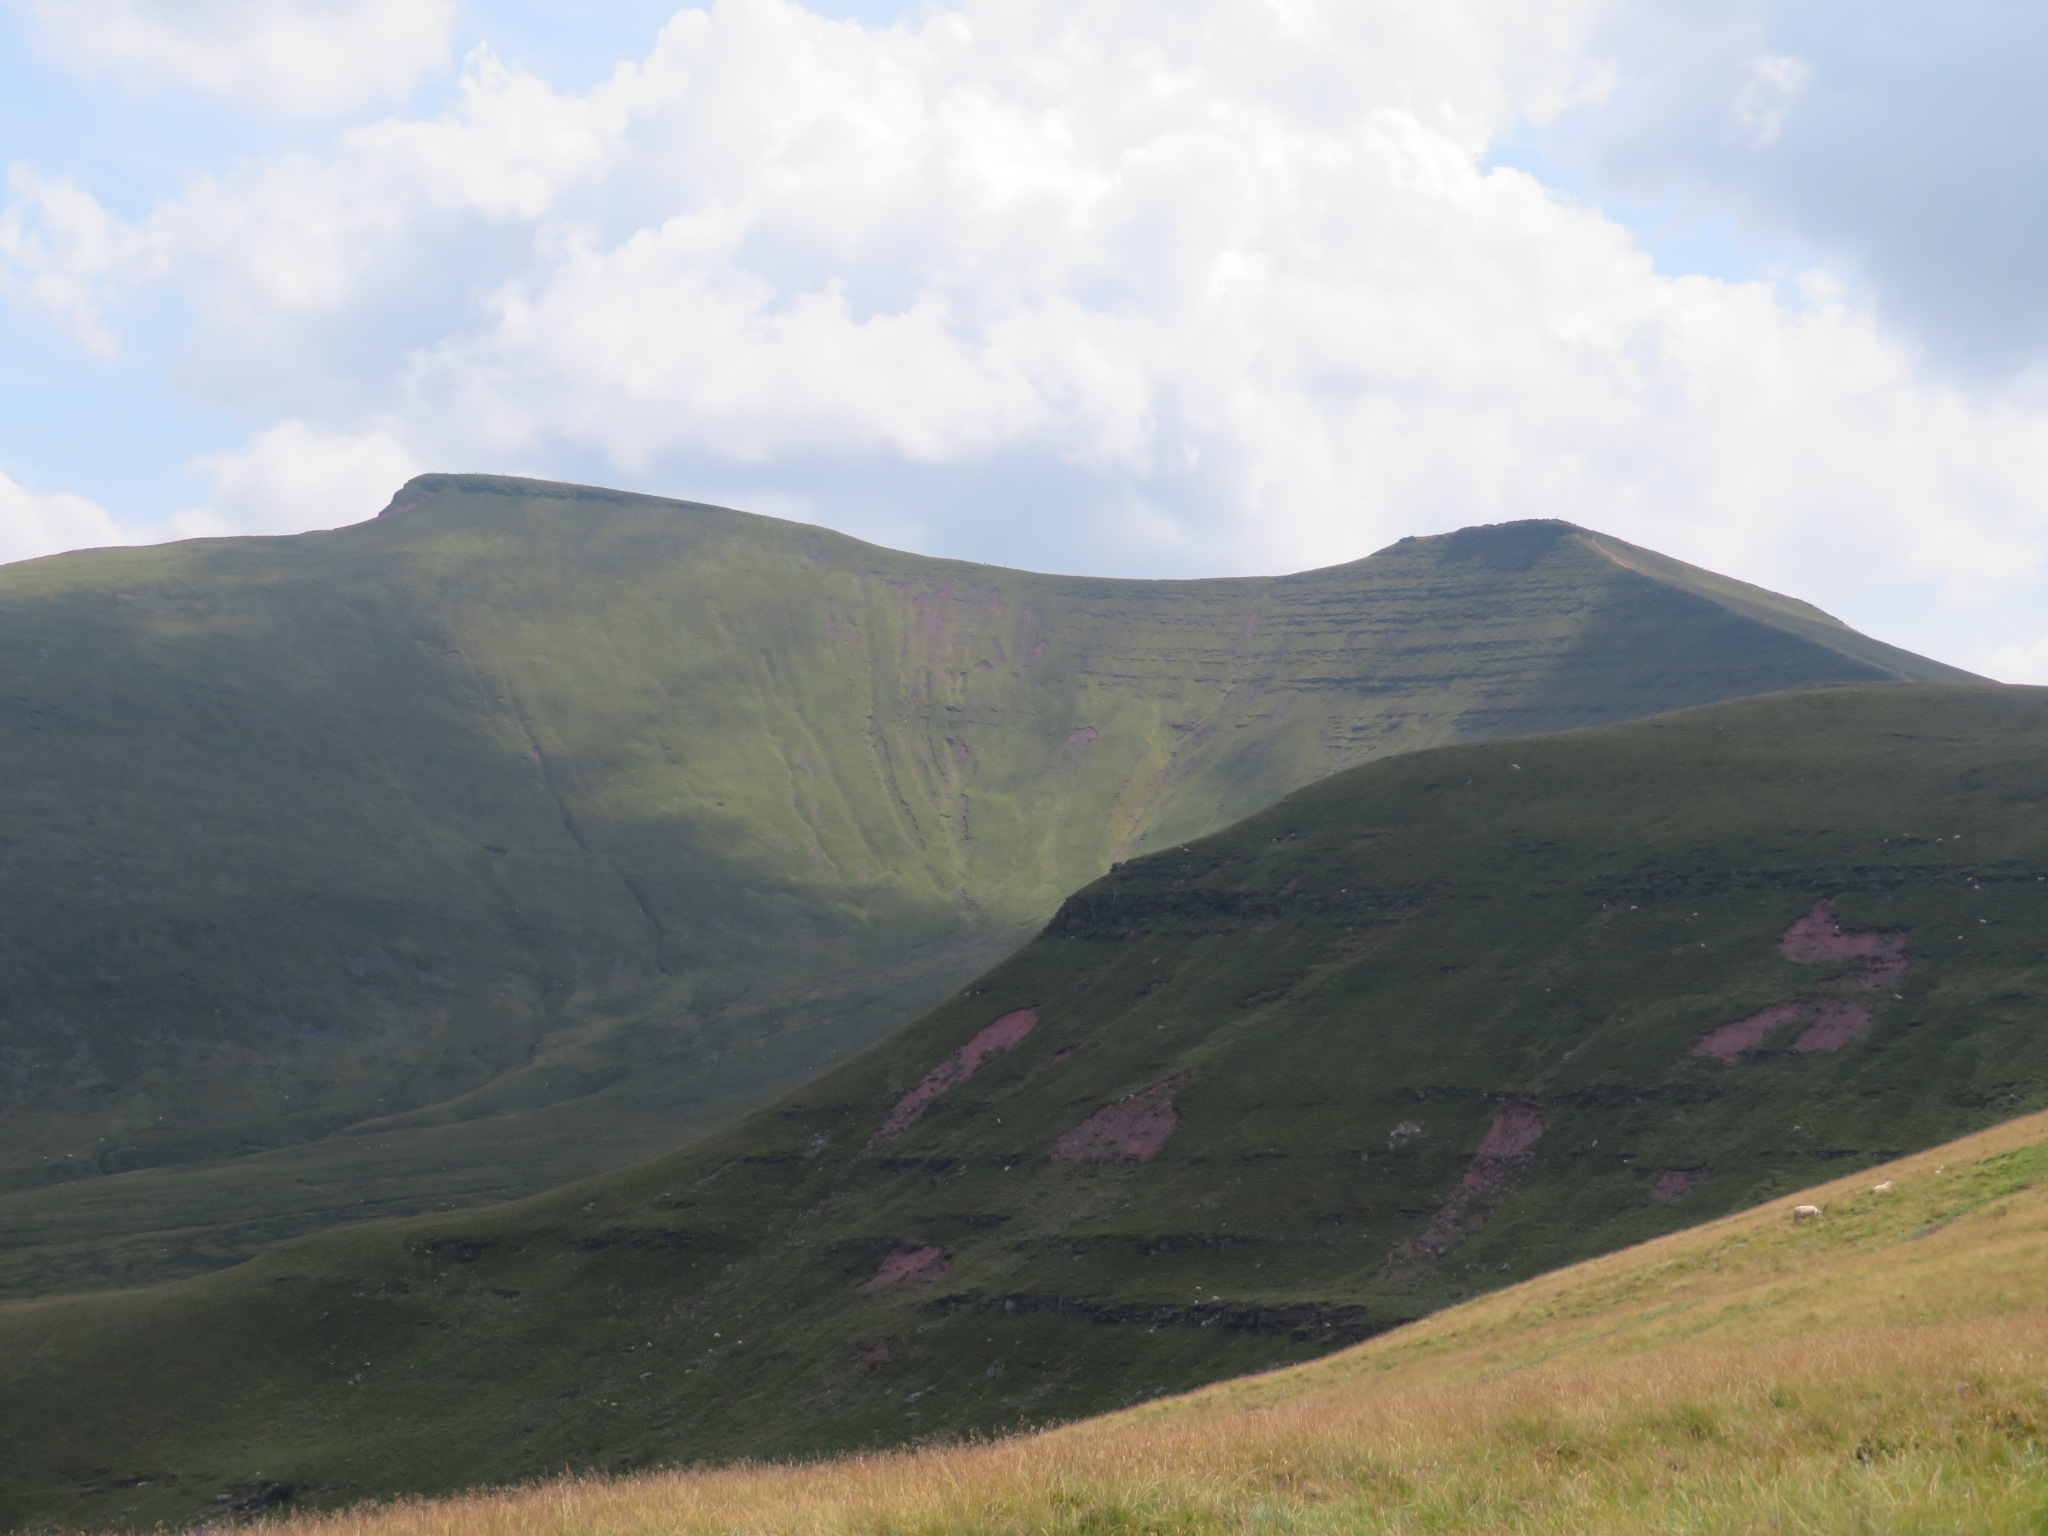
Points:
[(1882, 1369)]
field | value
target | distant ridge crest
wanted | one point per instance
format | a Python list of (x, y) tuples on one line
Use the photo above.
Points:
[(420, 488)]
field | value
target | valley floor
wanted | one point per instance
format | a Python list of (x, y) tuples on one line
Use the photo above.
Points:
[(1880, 1368)]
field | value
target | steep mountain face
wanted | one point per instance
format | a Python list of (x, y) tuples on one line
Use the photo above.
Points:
[(528, 829), (1419, 1030)]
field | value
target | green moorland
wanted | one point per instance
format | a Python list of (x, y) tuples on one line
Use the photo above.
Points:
[(1423, 1029), (1883, 1368), (527, 829)]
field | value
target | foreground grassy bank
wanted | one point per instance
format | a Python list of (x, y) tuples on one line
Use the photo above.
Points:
[(1882, 1368)]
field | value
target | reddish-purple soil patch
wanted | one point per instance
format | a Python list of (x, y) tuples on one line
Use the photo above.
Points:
[(1673, 1182), (1081, 735), (912, 1267), (1833, 1027), (1132, 1130), (1731, 1040), (955, 1070), (1365, 944), (1514, 1131), (1501, 1155), (1818, 939), (1874, 960), (876, 1353)]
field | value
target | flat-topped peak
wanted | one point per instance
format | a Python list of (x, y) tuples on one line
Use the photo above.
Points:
[(1512, 545), (1548, 550), (1512, 529), (422, 488)]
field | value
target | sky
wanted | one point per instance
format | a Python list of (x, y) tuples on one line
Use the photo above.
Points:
[(1119, 287)]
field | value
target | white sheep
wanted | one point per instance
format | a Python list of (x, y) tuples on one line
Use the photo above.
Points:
[(1805, 1212)]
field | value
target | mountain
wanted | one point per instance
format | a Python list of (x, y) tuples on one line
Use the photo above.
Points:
[(1877, 1367), (528, 829), (1422, 1029)]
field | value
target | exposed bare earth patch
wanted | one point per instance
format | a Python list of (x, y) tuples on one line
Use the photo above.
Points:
[(1366, 943), (1132, 1130), (955, 1070), (1834, 1026), (1500, 1157), (910, 1267), (1731, 1040), (1673, 1182), (1874, 959), (1819, 939)]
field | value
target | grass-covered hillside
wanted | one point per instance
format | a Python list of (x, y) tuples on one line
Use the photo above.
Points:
[(529, 829), (1420, 1030), (1880, 1368)]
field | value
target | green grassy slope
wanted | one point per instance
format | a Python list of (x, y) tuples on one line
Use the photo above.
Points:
[(529, 829), (1350, 997), (1880, 1367)]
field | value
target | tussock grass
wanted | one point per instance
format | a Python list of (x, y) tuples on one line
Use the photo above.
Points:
[(1882, 1370), (1935, 1430)]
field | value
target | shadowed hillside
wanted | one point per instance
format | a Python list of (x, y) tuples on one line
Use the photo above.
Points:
[(528, 829), (1420, 1030)]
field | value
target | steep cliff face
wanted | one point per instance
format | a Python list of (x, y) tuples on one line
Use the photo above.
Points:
[(1423, 1028), (529, 828)]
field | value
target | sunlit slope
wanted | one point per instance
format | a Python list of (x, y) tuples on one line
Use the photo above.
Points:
[(529, 828), (1882, 1367), (1420, 1030)]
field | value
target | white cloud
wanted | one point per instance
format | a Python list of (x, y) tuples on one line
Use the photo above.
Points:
[(63, 254), (2017, 662), (294, 477), (295, 58), (1765, 100), (1903, 143), (46, 523), (1098, 285)]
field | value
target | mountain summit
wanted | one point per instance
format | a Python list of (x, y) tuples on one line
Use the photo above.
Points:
[(527, 829)]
